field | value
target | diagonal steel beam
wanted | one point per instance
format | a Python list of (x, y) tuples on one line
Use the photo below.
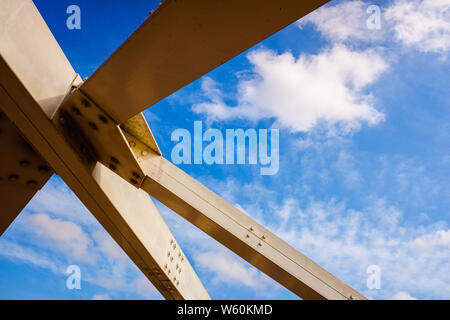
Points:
[(237, 231), (136, 226)]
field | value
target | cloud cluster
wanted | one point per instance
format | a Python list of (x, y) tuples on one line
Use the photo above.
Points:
[(68, 234), (302, 93), (422, 25)]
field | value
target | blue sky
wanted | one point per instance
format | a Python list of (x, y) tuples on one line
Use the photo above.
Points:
[(363, 116)]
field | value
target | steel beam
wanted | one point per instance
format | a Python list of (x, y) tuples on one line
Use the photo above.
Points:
[(180, 42), (140, 232), (238, 232)]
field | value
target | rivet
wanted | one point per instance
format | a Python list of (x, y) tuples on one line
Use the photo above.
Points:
[(24, 163), (144, 153), (76, 111), (168, 253), (44, 169), (251, 228), (132, 144), (112, 167), (174, 279), (171, 241), (178, 282), (259, 244), (114, 160), (31, 182), (177, 266), (247, 236), (174, 246), (171, 259), (85, 103), (136, 175), (102, 118), (168, 272), (13, 177), (133, 181), (93, 126), (179, 270), (264, 237)]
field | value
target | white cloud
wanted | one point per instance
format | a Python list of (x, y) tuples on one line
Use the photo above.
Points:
[(421, 24), (230, 269), (64, 235), (301, 94), (402, 296), (101, 297), (342, 22)]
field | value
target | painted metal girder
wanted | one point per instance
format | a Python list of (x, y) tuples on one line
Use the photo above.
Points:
[(126, 212), (180, 42), (238, 232)]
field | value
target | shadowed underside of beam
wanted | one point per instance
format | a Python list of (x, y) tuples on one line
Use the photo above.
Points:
[(22, 172)]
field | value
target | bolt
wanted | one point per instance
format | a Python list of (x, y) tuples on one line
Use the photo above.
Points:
[(44, 169), (102, 118), (114, 160), (13, 177), (93, 126), (24, 163), (85, 103), (76, 111), (136, 175)]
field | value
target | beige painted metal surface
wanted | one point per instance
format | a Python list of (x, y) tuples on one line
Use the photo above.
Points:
[(84, 181), (240, 233), (181, 41), (22, 172), (19, 19), (85, 178)]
